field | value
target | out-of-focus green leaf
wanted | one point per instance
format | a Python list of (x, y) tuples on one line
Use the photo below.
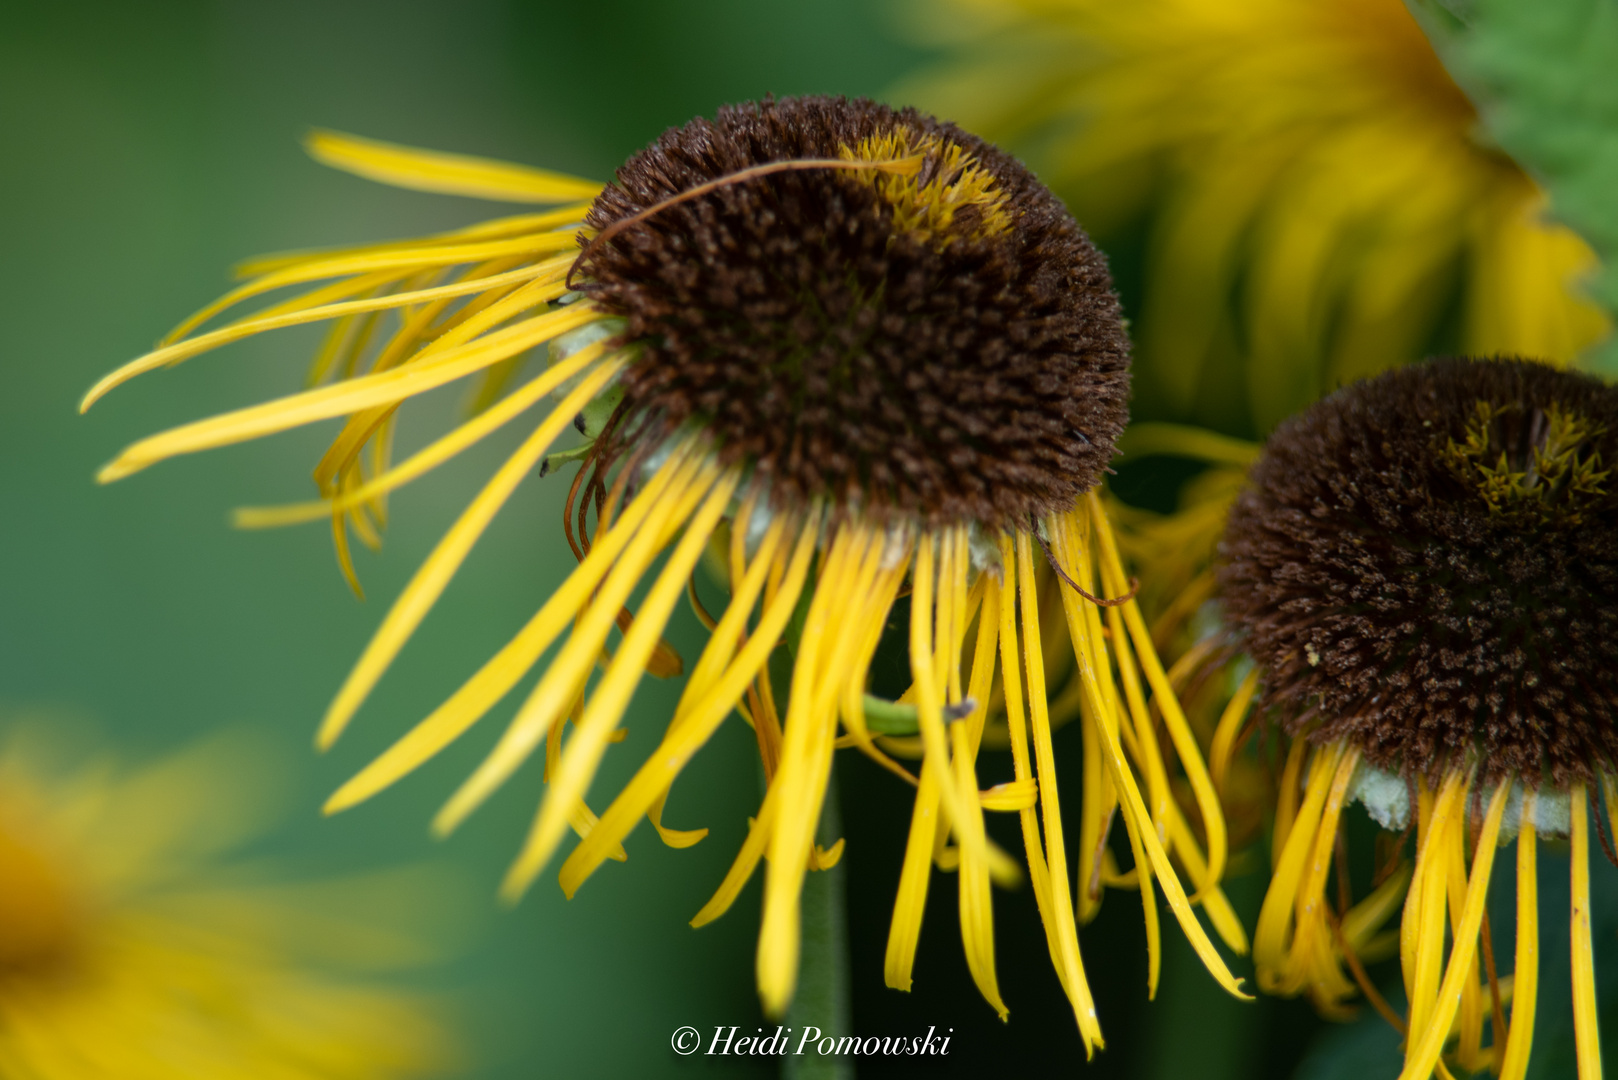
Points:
[(1543, 76)]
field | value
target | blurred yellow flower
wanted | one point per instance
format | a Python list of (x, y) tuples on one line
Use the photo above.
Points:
[(1321, 203), (132, 948)]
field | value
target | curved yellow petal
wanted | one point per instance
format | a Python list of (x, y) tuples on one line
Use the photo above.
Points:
[(447, 174)]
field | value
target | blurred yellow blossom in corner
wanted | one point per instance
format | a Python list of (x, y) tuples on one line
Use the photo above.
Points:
[(133, 944), (1319, 200)]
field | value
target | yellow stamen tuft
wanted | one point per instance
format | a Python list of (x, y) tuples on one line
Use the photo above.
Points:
[(927, 203)]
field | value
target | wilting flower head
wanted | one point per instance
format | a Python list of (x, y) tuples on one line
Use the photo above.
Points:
[(1318, 194), (132, 945), (845, 349), (1425, 568)]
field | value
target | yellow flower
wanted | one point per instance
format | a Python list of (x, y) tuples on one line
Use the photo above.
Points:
[(1321, 201), (842, 350), (131, 947), (1423, 570)]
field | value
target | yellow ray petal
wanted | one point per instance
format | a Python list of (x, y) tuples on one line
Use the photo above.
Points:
[(1423, 923), (1365, 918), (1525, 977), (447, 174), (352, 395), (510, 225), (924, 671), (976, 913), (915, 872), (699, 720), (1426, 1041), (1310, 956), (560, 683), (807, 738), (1013, 796), (433, 575), (1103, 710), (741, 868), (1131, 803), (402, 260), (977, 856), (430, 457), (1215, 903), (507, 667), (1076, 989), (582, 754), (718, 655), (1586, 1020), (483, 312), (184, 350), (1056, 863), (1185, 741), (1229, 726)]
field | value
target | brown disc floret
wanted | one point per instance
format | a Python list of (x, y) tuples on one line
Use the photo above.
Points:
[(944, 344), (1426, 565)]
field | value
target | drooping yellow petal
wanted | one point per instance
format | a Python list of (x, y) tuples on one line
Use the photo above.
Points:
[(503, 670), (483, 312), (1286, 801), (184, 350), (1422, 929), (977, 854), (1226, 923), (915, 871), (430, 457), (1229, 726), (1312, 960), (700, 712), (510, 225), (1367, 917), (1061, 896), (1272, 939), (1525, 977), (1103, 718), (561, 681), (1185, 741), (430, 579), (724, 635), (606, 706), (447, 174), (404, 260), (1427, 1034), (805, 765), (352, 395), (976, 914), (1586, 1020), (926, 675)]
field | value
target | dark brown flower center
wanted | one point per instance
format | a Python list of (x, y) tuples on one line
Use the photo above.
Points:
[(942, 342), (1426, 563)]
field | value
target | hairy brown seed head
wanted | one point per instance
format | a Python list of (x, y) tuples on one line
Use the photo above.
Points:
[(1426, 564), (943, 343)]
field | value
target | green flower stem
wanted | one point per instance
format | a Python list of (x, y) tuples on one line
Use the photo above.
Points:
[(822, 999)]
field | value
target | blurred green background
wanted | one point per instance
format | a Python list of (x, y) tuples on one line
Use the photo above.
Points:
[(150, 146)]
